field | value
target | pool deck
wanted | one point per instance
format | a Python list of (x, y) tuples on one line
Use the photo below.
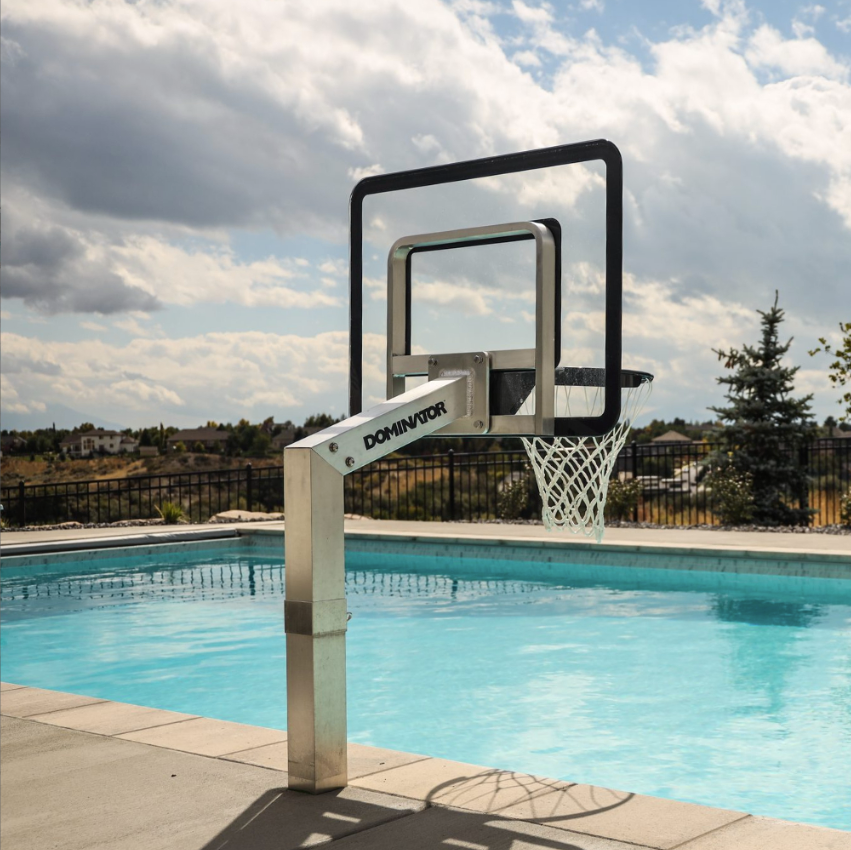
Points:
[(80, 772), (671, 539)]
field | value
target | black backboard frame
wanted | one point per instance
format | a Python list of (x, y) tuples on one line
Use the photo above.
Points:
[(513, 163)]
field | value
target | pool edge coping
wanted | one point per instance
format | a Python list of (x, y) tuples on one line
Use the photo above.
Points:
[(412, 763), (116, 541), (500, 541), (704, 557)]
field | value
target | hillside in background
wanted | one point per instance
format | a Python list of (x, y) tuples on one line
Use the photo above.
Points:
[(15, 469)]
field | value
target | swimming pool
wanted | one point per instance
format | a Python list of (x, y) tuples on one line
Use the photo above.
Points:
[(727, 690)]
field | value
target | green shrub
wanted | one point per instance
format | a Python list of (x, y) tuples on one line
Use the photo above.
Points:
[(732, 495), (170, 512), (622, 498), (845, 508), (513, 500)]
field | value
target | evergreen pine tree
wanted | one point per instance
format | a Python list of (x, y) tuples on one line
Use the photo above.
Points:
[(767, 427)]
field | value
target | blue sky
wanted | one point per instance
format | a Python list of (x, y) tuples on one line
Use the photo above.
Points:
[(176, 176)]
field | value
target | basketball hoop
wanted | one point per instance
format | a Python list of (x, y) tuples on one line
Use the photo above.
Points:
[(573, 472), (469, 391)]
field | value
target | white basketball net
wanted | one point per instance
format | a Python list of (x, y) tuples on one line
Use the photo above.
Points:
[(573, 472)]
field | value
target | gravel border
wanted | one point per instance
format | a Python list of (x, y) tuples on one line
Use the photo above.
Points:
[(775, 529), (786, 529), (132, 523)]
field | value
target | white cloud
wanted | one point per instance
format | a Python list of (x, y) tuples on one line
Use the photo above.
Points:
[(813, 12), (365, 171), (140, 395), (340, 268), (793, 57), (178, 276), (737, 144), (134, 327), (802, 30), (451, 296), (532, 14), (9, 395), (217, 376), (475, 7), (527, 58)]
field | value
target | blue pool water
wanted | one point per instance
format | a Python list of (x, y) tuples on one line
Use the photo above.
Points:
[(733, 691)]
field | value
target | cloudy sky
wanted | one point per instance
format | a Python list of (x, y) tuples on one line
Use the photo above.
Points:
[(176, 173)]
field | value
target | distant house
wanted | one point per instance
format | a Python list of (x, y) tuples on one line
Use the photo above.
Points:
[(212, 439), (11, 443), (128, 445), (836, 438), (283, 438), (670, 437), (96, 441)]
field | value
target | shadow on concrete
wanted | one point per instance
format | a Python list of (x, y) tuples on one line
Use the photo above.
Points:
[(358, 819), (282, 819), (502, 789)]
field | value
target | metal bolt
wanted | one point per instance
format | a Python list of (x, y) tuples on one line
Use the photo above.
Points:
[(333, 447), (432, 361), (350, 461), (477, 358), (478, 424)]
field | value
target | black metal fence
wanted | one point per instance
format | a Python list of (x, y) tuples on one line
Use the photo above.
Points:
[(454, 486), (200, 495), (674, 490)]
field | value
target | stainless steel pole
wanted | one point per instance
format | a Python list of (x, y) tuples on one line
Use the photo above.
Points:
[(315, 623), (315, 606)]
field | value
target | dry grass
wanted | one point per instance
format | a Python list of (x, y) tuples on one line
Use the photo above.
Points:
[(16, 469), (826, 502)]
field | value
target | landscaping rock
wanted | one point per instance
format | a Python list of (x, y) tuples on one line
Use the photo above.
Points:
[(245, 516)]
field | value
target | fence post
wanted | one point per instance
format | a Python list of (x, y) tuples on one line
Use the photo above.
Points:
[(634, 451), (22, 503), (804, 495), (248, 493), (452, 484)]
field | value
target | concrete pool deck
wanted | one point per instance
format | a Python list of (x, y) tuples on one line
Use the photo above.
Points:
[(83, 772), (673, 539), (80, 772)]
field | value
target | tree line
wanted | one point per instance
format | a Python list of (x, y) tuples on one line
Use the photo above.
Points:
[(764, 429), (245, 439)]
